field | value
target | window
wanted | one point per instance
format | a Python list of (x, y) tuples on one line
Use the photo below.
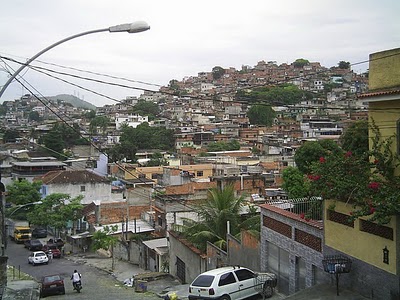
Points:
[(244, 274), (83, 188), (199, 173), (203, 281), (226, 279)]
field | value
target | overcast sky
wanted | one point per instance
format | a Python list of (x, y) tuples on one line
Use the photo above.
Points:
[(186, 37)]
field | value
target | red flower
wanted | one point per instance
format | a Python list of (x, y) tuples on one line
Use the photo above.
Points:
[(348, 154), (373, 185), (322, 159), (302, 215), (376, 161), (372, 210), (313, 177)]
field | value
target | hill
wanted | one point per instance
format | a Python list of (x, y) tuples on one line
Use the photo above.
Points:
[(73, 100)]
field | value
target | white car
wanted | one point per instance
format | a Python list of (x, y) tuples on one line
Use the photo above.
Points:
[(231, 283), (38, 257)]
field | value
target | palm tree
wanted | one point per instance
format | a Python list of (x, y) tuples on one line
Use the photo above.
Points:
[(220, 207)]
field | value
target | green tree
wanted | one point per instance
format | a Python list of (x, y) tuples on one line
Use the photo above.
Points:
[(10, 136), (104, 239), (56, 210), (261, 115), (355, 138), (300, 62), (220, 207), (34, 116), (100, 121), (157, 159), (284, 94), (224, 146), (90, 114), (146, 108), (54, 143), (22, 192), (217, 72), (344, 64), (312, 151), (294, 183)]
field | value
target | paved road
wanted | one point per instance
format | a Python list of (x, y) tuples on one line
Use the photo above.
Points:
[(96, 284)]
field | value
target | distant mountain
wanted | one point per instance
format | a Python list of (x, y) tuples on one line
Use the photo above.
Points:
[(73, 100)]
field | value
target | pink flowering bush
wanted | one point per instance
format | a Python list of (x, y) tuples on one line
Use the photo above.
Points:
[(367, 182)]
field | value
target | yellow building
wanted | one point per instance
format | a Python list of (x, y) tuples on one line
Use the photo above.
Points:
[(373, 248)]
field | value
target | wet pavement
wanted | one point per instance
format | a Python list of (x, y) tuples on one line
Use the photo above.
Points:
[(161, 284)]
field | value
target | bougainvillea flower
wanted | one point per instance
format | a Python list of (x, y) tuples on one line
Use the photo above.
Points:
[(322, 159), (373, 185), (348, 154)]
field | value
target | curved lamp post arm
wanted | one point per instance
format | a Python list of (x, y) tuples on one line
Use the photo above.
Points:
[(134, 27)]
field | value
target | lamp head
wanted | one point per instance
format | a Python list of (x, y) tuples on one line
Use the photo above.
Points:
[(134, 27)]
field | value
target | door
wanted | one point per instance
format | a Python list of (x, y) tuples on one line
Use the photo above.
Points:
[(246, 283), (180, 270)]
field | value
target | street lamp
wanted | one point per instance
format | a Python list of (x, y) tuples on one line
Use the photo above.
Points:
[(24, 205), (134, 27), (4, 225)]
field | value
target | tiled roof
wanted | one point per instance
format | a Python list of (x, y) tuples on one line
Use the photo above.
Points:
[(72, 177), (380, 93)]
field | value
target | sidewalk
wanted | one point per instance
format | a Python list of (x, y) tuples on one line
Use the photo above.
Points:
[(160, 284)]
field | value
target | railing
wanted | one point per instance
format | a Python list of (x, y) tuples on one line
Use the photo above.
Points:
[(306, 208)]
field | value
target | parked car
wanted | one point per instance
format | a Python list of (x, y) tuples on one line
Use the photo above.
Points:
[(39, 233), (54, 249), (38, 257), (59, 242), (52, 285), (33, 245), (231, 283)]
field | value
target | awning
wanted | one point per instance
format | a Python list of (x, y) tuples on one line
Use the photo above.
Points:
[(82, 235), (160, 246)]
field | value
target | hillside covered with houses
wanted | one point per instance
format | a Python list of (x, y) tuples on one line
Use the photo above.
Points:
[(150, 194)]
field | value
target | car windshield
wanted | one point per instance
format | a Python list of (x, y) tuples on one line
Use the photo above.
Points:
[(51, 278), (40, 254), (203, 281)]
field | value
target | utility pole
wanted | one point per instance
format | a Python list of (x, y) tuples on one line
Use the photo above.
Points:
[(3, 257)]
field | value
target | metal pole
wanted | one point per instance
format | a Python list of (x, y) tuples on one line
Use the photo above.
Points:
[(337, 283), (12, 77)]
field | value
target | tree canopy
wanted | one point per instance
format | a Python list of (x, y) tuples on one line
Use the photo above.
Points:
[(56, 210), (294, 183), (261, 115), (300, 62), (284, 94), (355, 138), (224, 146), (10, 136), (344, 64), (220, 207), (146, 108), (22, 192), (142, 137), (312, 151), (217, 72)]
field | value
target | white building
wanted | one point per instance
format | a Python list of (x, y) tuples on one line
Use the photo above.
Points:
[(131, 120)]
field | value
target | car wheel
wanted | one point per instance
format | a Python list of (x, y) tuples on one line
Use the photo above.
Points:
[(33, 264), (225, 297), (267, 290)]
